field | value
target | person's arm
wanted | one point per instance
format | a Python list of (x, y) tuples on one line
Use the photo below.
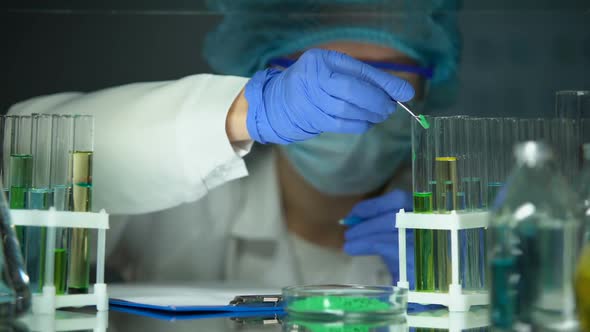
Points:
[(157, 145), (235, 124)]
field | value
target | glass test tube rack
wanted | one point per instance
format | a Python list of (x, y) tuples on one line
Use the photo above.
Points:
[(47, 301), (456, 299)]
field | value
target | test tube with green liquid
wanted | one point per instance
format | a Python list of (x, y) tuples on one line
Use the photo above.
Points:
[(422, 173), (40, 197), (18, 132), (61, 175), (81, 163)]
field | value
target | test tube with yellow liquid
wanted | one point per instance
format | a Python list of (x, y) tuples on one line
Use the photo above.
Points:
[(81, 169)]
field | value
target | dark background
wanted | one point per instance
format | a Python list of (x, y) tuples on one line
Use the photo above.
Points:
[(516, 54)]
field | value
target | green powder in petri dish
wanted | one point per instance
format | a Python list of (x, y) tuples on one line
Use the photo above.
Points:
[(347, 304), (319, 327), (423, 121)]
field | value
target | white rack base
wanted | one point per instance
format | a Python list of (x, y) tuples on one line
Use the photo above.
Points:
[(455, 299), (66, 321), (47, 301), (451, 321)]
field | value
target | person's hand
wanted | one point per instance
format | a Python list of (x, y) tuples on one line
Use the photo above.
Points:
[(324, 91), (374, 232)]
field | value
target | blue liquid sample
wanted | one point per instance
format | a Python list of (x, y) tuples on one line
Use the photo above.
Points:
[(35, 239), (502, 293)]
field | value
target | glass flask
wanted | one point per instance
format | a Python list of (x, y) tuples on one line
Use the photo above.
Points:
[(533, 244), (15, 295)]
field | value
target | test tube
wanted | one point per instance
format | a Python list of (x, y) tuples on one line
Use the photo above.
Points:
[(494, 151), (4, 157), (574, 105), (471, 264), (62, 147), (40, 197), (20, 168), (476, 166), (424, 189), (509, 140), (446, 177), (81, 159)]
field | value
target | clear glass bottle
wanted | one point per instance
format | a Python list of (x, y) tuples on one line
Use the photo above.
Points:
[(533, 245)]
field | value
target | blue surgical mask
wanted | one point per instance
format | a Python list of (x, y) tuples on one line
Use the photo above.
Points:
[(342, 164)]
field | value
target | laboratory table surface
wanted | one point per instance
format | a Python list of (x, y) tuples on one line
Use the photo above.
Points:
[(88, 320)]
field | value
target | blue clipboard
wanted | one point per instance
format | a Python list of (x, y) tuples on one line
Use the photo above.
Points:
[(194, 315), (240, 303)]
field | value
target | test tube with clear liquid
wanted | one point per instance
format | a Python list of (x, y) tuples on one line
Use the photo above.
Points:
[(472, 241), (63, 145), (81, 163), (424, 189), (575, 106), (494, 150), (40, 197)]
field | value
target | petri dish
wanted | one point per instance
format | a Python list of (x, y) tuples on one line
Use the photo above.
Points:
[(348, 301), (391, 324)]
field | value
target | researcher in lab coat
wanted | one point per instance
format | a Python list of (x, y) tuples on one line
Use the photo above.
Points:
[(188, 205)]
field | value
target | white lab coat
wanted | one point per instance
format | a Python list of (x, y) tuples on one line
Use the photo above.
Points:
[(160, 148)]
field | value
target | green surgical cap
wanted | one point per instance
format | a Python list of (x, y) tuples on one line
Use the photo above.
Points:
[(254, 31)]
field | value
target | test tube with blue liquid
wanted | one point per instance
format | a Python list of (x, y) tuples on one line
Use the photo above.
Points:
[(40, 197), (81, 164)]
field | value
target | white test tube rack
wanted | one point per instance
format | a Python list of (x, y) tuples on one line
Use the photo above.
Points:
[(47, 301), (67, 321), (449, 320), (456, 299)]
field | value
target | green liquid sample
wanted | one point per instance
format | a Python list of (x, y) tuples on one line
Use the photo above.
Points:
[(339, 303), (423, 122), (423, 246), (312, 326), (60, 273), (79, 265), (422, 202), (21, 177)]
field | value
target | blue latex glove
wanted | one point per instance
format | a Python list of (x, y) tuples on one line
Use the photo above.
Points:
[(324, 91), (374, 232)]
